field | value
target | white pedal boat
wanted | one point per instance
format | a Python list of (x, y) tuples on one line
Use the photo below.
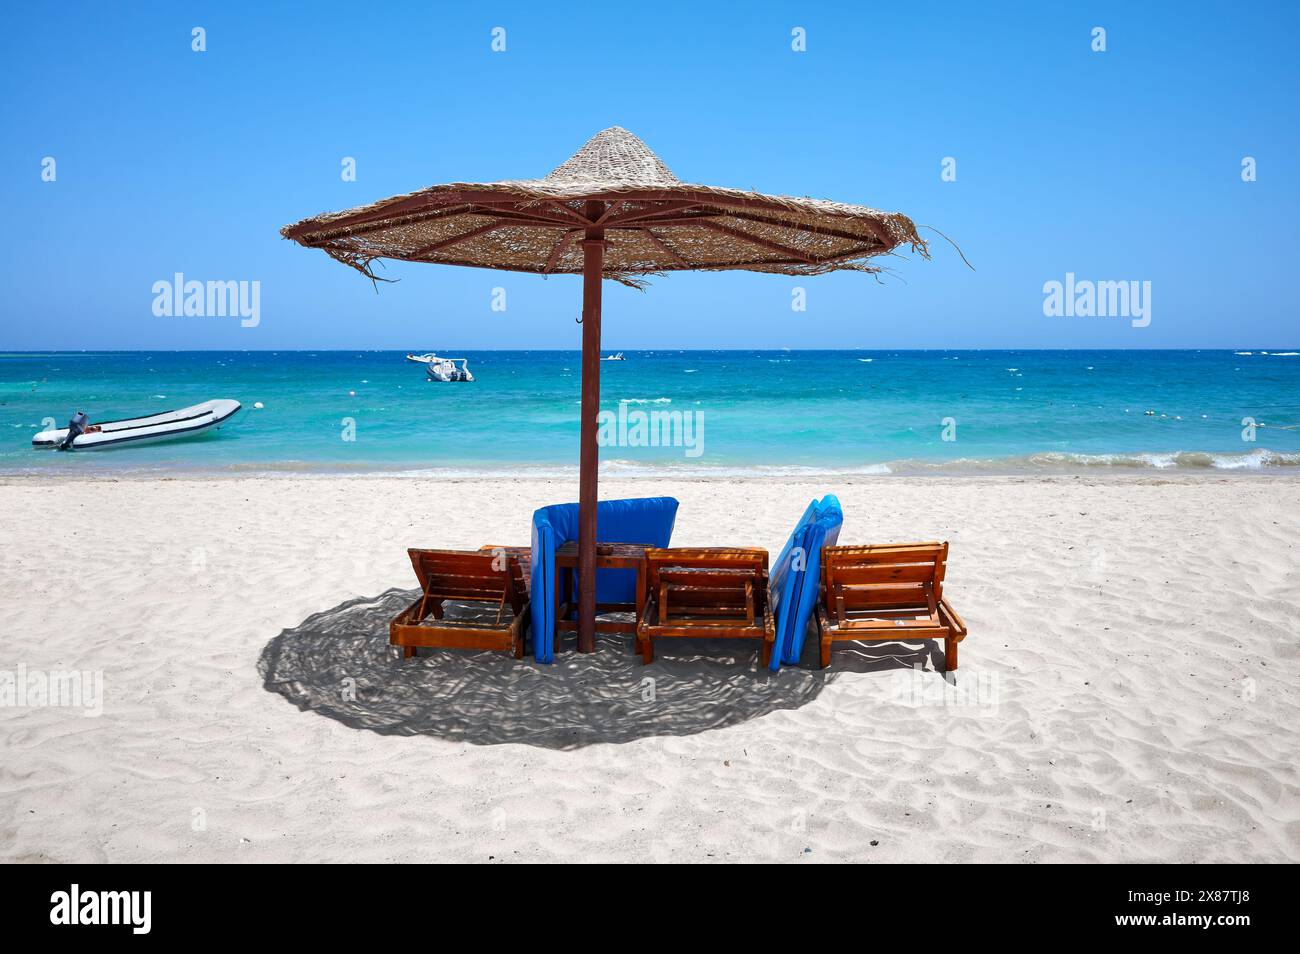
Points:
[(169, 425)]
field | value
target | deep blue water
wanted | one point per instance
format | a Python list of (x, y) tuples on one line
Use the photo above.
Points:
[(1007, 411)]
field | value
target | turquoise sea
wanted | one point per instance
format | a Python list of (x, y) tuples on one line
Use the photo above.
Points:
[(768, 412)]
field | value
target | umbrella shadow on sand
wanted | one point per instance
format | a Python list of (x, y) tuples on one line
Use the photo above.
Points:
[(339, 664)]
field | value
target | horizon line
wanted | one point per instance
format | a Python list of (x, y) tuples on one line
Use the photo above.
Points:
[(7, 352)]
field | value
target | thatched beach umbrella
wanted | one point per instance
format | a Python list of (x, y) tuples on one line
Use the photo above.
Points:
[(612, 211)]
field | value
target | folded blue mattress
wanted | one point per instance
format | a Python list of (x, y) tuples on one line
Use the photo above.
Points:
[(647, 520), (796, 576)]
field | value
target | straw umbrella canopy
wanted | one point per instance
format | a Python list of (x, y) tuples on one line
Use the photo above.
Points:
[(612, 211)]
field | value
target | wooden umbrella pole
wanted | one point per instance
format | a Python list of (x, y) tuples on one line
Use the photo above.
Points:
[(593, 261)]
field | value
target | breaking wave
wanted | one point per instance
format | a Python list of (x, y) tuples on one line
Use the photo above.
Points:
[(1052, 463)]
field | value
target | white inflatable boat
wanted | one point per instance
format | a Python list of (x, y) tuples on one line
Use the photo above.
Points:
[(83, 434)]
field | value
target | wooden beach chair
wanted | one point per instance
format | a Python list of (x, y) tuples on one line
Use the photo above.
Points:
[(891, 592), (709, 593), (492, 587)]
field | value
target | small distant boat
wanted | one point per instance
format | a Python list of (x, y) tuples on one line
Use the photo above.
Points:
[(83, 434), (443, 369), (447, 369), (618, 356)]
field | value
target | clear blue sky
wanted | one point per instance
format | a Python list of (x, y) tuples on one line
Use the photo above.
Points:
[(1117, 165)]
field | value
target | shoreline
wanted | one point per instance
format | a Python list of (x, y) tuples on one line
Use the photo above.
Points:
[(1097, 475)]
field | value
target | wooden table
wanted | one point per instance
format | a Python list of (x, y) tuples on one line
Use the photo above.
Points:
[(609, 556)]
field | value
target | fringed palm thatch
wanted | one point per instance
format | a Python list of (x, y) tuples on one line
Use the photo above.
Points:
[(652, 223)]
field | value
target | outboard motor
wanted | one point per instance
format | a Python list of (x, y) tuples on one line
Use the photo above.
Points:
[(76, 427)]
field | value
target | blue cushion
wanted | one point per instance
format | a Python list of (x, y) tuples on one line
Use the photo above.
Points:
[(786, 572), (796, 576), (647, 520)]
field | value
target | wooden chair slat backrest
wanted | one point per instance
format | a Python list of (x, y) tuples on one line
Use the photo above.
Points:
[(883, 576), (461, 575), (518, 560), (725, 567), (726, 578), (700, 580)]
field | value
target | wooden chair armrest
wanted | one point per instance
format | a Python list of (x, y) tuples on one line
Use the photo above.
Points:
[(950, 617)]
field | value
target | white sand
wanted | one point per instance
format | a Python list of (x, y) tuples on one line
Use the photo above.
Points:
[(1129, 684)]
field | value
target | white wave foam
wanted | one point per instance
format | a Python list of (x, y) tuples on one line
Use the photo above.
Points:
[(1049, 463), (1182, 460)]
